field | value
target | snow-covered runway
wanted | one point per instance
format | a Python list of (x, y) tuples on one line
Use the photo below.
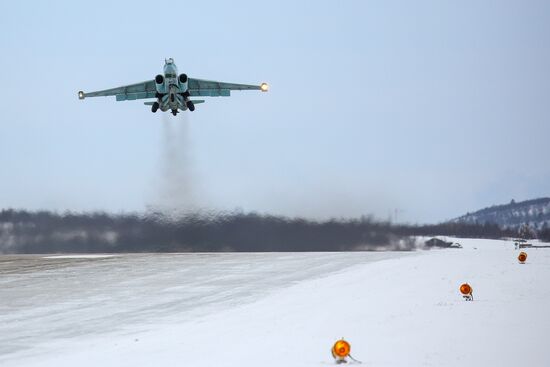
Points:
[(396, 309)]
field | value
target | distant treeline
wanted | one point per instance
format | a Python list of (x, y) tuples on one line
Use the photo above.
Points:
[(47, 232), (544, 235)]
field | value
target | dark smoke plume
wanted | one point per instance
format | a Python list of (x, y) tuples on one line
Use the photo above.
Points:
[(177, 186)]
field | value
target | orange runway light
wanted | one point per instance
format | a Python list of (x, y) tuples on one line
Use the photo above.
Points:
[(340, 350), (466, 291), (522, 257)]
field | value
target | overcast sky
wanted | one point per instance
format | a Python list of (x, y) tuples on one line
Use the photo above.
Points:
[(424, 109)]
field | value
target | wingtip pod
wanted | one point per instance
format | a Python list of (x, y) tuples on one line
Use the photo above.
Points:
[(81, 95), (264, 87)]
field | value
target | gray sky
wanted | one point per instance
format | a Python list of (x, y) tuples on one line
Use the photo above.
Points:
[(432, 108)]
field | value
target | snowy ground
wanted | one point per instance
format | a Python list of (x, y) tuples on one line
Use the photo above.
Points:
[(396, 309)]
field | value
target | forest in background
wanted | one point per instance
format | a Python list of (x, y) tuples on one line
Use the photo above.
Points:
[(48, 232)]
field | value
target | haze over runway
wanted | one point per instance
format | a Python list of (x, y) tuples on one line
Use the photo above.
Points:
[(426, 109)]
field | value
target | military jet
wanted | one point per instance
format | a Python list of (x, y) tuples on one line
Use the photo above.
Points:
[(173, 91)]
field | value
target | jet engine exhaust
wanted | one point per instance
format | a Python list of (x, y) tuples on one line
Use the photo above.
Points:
[(182, 80), (177, 185), (159, 84)]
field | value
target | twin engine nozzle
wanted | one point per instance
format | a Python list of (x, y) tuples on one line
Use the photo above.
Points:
[(162, 88)]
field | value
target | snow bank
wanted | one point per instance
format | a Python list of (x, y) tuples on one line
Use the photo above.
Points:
[(404, 311)]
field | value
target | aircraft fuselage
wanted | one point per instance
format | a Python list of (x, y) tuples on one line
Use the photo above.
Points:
[(172, 91)]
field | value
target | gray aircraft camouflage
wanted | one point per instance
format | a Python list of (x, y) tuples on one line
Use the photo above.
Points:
[(173, 91)]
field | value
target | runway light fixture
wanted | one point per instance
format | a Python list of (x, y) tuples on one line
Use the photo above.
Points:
[(264, 87), (467, 291), (522, 257), (341, 350)]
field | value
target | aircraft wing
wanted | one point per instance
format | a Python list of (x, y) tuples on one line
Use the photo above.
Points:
[(211, 88), (126, 92)]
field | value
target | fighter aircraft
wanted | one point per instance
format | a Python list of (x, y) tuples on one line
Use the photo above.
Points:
[(171, 91)]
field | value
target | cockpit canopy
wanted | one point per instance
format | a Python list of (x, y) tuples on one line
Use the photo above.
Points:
[(170, 70)]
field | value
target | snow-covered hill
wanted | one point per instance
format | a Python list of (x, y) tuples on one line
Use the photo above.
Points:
[(396, 309), (535, 213)]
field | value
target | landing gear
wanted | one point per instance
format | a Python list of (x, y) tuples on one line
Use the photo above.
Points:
[(154, 107), (190, 105), (174, 112)]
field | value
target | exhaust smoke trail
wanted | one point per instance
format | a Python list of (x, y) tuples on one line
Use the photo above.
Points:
[(177, 186)]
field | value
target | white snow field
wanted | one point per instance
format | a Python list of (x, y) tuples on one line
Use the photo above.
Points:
[(278, 309)]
